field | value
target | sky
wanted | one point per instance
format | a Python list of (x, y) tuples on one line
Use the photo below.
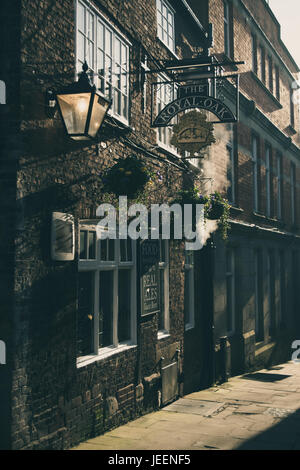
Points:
[(287, 13)]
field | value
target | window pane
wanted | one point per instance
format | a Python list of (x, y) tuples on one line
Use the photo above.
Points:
[(80, 47), (100, 35), (92, 245), (80, 17), (124, 291), (123, 256), (129, 250), (105, 308), (111, 250), (108, 38), (85, 314), (83, 244), (103, 250)]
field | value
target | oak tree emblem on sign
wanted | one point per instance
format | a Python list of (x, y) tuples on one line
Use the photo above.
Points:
[(193, 133)]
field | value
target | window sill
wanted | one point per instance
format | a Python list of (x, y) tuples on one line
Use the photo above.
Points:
[(168, 48), (167, 149), (163, 334), (189, 327), (265, 217), (291, 129), (103, 354), (267, 91), (235, 209), (114, 117)]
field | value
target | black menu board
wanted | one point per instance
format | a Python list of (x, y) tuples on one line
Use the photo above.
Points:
[(149, 259)]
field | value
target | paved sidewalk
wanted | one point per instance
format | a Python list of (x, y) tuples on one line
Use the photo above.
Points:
[(260, 410)]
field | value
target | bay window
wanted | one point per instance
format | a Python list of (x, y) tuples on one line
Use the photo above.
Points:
[(107, 54)]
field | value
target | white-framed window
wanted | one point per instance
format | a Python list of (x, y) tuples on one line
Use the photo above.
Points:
[(293, 191), (255, 163), (107, 54), (166, 23), (189, 290), (165, 93), (230, 290), (268, 181), (279, 186), (106, 321), (163, 267)]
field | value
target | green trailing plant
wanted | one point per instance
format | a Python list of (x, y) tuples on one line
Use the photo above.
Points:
[(215, 207)]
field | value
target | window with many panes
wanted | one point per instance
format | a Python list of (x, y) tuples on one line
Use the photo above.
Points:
[(163, 267), (107, 55), (165, 23), (106, 294), (165, 93)]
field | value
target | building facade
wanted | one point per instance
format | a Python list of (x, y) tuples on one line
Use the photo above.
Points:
[(83, 353)]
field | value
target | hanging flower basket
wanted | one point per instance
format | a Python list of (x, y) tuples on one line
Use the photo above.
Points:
[(128, 177), (215, 211), (215, 206)]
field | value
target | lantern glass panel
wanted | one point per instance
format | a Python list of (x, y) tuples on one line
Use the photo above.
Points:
[(98, 113), (74, 109)]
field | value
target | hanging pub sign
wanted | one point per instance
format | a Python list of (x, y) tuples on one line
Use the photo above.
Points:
[(199, 101), (193, 133), (149, 259), (215, 95)]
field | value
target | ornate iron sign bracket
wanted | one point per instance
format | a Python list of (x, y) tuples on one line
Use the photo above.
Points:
[(207, 95)]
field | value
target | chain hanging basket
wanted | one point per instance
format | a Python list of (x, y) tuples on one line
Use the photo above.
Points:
[(128, 177)]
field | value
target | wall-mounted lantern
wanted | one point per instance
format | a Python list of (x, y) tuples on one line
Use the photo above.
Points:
[(81, 108)]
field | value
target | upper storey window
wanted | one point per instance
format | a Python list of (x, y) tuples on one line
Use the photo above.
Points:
[(165, 24), (107, 55)]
